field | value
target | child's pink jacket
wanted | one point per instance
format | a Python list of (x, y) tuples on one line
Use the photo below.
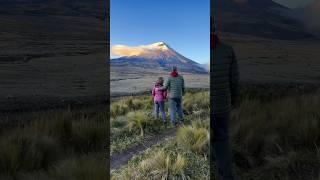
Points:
[(158, 95)]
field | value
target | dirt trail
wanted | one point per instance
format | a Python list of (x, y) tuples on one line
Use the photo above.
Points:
[(119, 159)]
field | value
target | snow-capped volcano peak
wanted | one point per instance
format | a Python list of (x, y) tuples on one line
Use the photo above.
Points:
[(158, 45)]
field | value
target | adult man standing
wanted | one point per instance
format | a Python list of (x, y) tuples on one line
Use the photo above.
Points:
[(175, 86), (224, 78)]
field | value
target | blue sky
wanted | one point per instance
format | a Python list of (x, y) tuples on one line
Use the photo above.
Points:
[(183, 24)]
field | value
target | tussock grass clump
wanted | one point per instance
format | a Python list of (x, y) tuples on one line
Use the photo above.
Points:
[(127, 104), (118, 122), (89, 136), (137, 120), (32, 148), (86, 167), (160, 165), (199, 123), (281, 125), (166, 160), (23, 152), (277, 136), (195, 102), (194, 139), (58, 124), (144, 102), (118, 126), (117, 109)]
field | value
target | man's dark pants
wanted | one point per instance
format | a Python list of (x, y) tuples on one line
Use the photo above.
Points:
[(175, 107), (221, 148)]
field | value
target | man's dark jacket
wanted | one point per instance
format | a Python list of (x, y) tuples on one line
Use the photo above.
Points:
[(224, 78)]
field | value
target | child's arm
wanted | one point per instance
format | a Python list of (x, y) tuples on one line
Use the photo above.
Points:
[(153, 92)]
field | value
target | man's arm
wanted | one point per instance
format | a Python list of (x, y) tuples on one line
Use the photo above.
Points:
[(166, 85), (234, 79)]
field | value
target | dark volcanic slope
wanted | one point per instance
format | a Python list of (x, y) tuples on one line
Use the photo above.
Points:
[(93, 8), (263, 18), (52, 52)]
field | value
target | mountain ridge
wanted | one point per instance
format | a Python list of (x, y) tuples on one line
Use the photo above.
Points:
[(87, 8), (261, 18)]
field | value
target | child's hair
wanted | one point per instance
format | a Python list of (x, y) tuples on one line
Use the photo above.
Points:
[(159, 81)]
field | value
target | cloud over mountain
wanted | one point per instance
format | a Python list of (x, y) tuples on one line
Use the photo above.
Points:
[(144, 50), (122, 50)]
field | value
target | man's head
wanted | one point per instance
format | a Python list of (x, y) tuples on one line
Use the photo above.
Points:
[(174, 68), (174, 72)]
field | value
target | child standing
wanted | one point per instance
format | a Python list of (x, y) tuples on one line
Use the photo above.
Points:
[(159, 96)]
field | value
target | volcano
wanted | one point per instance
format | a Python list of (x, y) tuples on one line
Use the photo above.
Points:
[(156, 56)]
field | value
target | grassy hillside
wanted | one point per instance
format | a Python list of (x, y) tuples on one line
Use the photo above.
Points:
[(180, 157), (274, 130), (55, 144), (275, 134)]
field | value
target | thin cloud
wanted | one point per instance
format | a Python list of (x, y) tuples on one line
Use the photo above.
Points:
[(122, 50)]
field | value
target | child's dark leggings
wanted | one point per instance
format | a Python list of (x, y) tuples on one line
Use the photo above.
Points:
[(159, 107)]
